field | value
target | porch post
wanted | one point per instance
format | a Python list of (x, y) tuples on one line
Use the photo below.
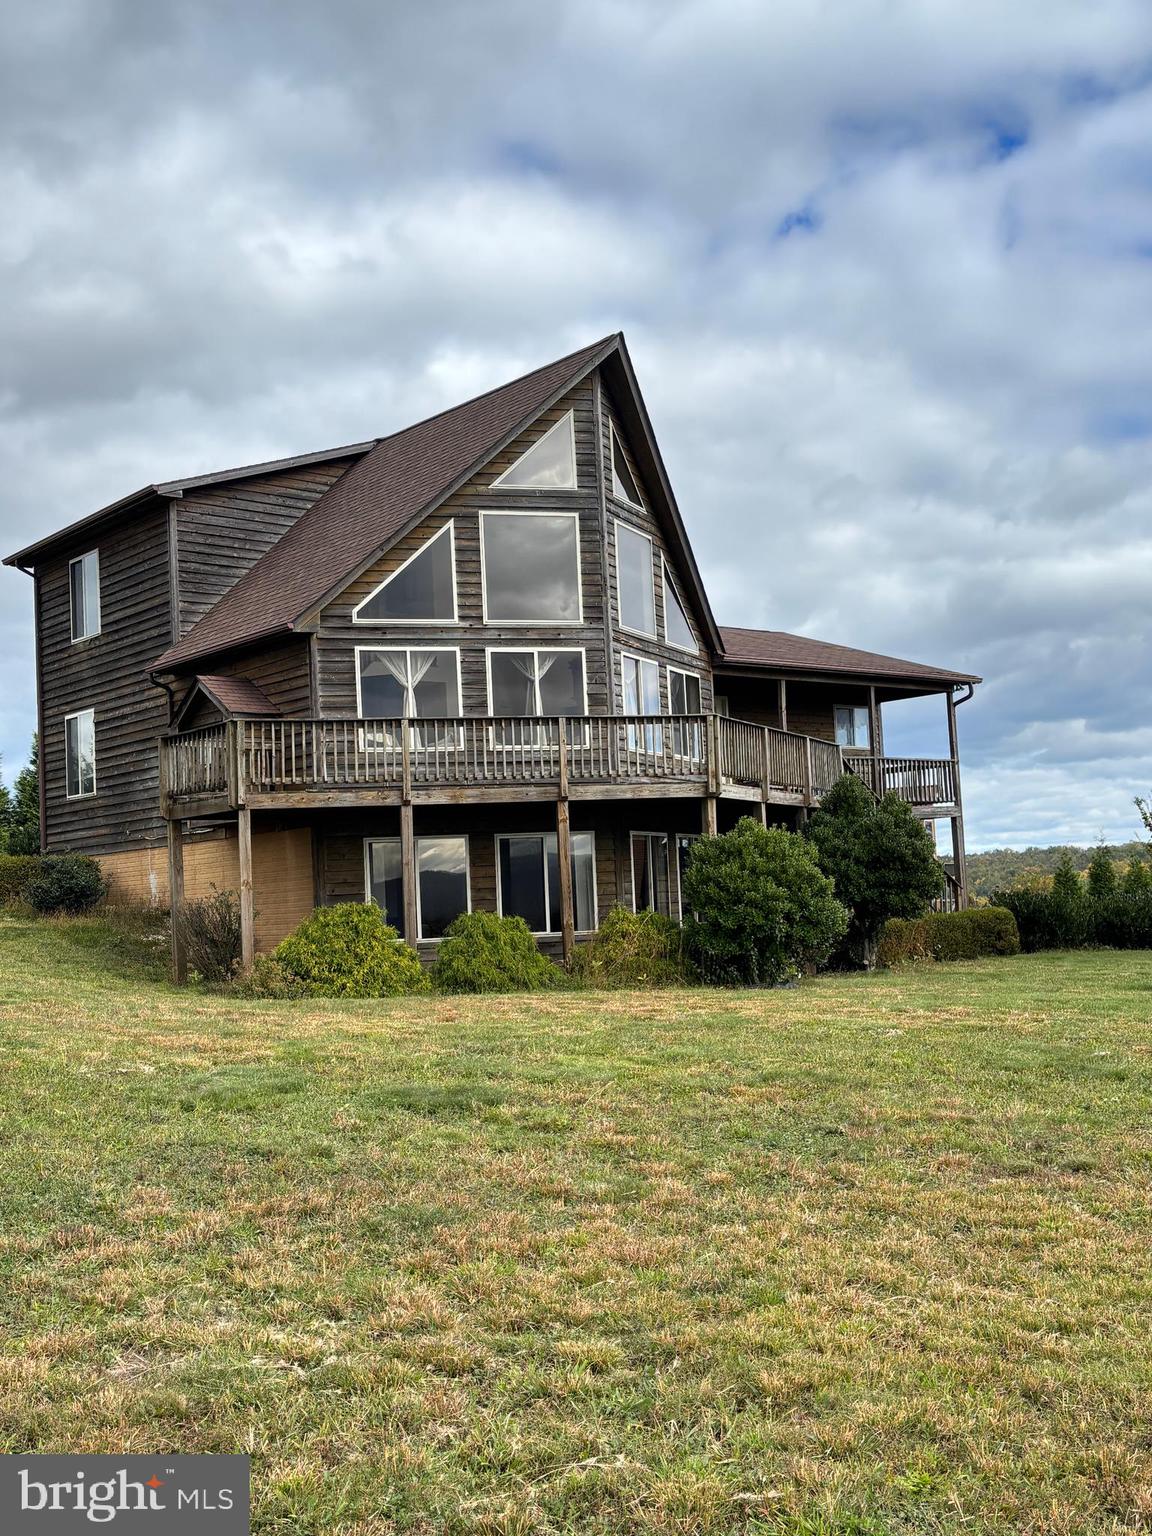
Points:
[(875, 725), (564, 851), (176, 898), (247, 909), (408, 871), (783, 705), (958, 818), (708, 820)]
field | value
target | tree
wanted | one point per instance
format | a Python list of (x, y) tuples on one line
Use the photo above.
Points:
[(882, 861), (762, 909), (1137, 878), (1066, 882), (5, 815), (1145, 809), (1101, 874), (24, 816)]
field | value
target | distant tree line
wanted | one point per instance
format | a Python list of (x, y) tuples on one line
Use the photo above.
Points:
[(1007, 869)]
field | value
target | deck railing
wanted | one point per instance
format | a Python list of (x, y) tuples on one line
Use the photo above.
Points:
[(705, 753)]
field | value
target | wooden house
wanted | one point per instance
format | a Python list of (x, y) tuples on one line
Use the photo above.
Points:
[(468, 665)]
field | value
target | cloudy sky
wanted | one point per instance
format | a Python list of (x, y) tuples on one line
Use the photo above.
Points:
[(884, 266)]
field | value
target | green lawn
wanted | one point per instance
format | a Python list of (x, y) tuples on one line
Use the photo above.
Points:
[(867, 1256)]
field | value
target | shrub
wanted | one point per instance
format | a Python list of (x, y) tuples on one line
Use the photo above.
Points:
[(210, 930), (1101, 875), (633, 949), (1050, 919), (965, 935), (1137, 877), (762, 909), (350, 951), (481, 952), (70, 883), (16, 869), (880, 857), (270, 977), (1123, 920), (1066, 883)]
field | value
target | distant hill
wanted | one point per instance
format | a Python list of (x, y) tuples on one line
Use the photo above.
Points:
[(1000, 869)]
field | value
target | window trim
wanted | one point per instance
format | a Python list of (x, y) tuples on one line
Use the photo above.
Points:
[(669, 584), (450, 528), (645, 634), (530, 623), (89, 554), (383, 646), (667, 836), (867, 748), (534, 650), (617, 442), (543, 490), (547, 933), (83, 794), (684, 672), (392, 837), (387, 837)]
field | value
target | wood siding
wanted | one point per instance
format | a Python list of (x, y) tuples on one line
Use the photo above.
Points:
[(222, 530), (811, 706), (108, 674)]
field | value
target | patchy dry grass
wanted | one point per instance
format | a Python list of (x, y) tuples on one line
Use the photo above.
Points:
[(869, 1256)]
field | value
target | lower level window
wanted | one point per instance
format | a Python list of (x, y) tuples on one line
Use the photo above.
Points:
[(80, 754), (528, 869), (650, 885), (442, 890), (685, 842)]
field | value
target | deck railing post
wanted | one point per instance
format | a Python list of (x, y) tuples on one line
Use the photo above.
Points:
[(807, 771)]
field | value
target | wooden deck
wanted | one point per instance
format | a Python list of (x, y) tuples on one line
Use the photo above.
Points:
[(294, 764)]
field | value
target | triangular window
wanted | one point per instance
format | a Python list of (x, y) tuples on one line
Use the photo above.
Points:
[(423, 590), (623, 483), (677, 630), (549, 465)]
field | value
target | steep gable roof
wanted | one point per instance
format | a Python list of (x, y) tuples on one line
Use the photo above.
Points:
[(402, 478), (777, 651)]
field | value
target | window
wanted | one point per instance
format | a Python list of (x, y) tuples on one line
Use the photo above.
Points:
[(536, 682), (685, 842), (549, 465), (84, 594), (442, 891), (528, 880), (442, 888), (684, 699), (641, 682), (635, 584), (677, 630), (650, 889), (422, 590), (852, 726), (384, 879), (80, 754), (623, 483), (531, 564), (414, 684)]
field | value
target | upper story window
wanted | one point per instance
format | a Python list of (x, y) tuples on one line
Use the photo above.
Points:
[(635, 580), (683, 692), (412, 684), (80, 754), (84, 594), (852, 726), (623, 481), (677, 630), (536, 682), (549, 465), (531, 564), (422, 590)]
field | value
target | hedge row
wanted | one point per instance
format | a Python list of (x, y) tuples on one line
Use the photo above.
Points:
[(963, 935), (1059, 920), (68, 882)]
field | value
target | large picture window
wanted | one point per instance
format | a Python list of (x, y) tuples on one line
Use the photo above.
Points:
[(80, 754), (852, 726), (528, 880), (412, 683), (84, 595), (635, 580), (536, 682), (650, 885), (442, 886), (531, 564), (422, 590)]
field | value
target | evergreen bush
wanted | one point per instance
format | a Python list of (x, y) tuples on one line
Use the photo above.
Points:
[(1102, 880), (966, 935), (633, 949), (481, 952), (349, 950), (71, 882), (16, 869), (762, 909)]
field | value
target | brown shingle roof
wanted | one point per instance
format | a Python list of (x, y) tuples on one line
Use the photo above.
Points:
[(773, 648), (236, 695), (403, 476)]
